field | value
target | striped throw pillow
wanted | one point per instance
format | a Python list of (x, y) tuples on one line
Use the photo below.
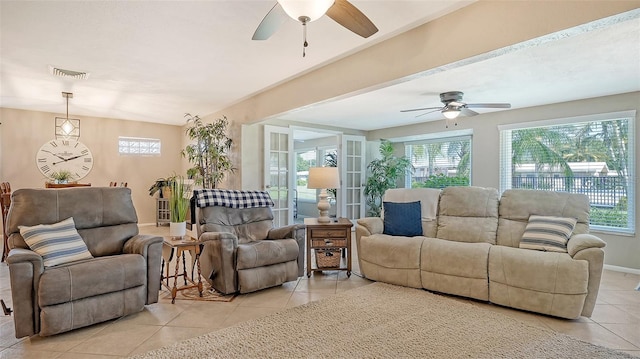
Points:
[(57, 243), (546, 233)]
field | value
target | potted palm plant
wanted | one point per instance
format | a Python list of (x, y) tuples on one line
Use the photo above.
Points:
[(384, 173), (209, 153), (179, 206)]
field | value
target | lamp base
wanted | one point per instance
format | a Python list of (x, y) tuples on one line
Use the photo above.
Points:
[(323, 207)]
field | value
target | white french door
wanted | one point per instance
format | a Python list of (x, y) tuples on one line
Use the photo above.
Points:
[(278, 177), (352, 168)]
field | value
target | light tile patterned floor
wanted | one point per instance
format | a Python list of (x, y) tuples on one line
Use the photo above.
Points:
[(615, 322)]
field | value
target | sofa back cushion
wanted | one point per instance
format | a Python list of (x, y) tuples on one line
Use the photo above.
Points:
[(517, 205), (104, 216), (468, 214), (428, 197), (248, 224)]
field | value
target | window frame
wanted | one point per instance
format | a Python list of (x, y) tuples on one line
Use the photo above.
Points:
[(139, 141), (506, 164), (438, 138)]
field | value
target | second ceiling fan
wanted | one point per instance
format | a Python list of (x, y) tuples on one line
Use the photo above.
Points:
[(453, 106), (305, 11)]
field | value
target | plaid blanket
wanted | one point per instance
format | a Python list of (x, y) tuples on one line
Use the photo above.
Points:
[(232, 198)]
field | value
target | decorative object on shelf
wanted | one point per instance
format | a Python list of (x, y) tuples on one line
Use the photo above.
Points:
[(323, 178), (67, 128), (384, 173), (62, 176), (72, 156), (179, 206), (210, 152)]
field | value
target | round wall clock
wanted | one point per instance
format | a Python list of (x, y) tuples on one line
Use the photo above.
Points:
[(64, 155)]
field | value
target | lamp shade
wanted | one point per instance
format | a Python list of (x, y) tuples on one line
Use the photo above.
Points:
[(323, 177), (313, 9)]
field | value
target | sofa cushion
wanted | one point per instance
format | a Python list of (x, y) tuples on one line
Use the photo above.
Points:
[(517, 205), (57, 243), (455, 268), (429, 199), (547, 233), (402, 219), (90, 278), (391, 259), (468, 214), (266, 252)]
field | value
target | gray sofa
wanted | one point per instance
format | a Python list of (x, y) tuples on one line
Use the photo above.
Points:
[(123, 276), (471, 248), (242, 251)]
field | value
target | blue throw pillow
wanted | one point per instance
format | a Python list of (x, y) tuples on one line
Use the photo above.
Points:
[(402, 219)]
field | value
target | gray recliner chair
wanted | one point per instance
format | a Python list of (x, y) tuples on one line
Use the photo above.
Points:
[(123, 276), (242, 251)]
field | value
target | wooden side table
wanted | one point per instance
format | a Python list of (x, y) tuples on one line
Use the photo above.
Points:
[(328, 237), (177, 247)]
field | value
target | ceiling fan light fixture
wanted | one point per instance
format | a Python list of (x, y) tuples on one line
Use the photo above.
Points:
[(309, 9), (451, 113)]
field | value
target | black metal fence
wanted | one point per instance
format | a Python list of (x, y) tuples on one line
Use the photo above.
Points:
[(602, 191)]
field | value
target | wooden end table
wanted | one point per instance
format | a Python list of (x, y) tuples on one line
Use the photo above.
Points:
[(177, 247), (328, 236)]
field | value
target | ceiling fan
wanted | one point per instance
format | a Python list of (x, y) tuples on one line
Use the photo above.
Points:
[(306, 11), (453, 106)]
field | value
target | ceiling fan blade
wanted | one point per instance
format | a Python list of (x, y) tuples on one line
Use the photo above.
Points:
[(428, 112), (488, 105), (423, 109), (347, 15), (271, 22), (467, 112)]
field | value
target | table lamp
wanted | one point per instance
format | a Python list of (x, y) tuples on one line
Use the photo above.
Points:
[(323, 178)]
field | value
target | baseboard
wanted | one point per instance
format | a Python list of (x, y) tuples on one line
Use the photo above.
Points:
[(622, 269), (146, 224)]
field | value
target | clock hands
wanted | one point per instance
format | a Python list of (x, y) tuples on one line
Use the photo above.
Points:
[(60, 157), (68, 159)]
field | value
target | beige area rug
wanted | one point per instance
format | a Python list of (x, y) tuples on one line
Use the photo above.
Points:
[(384, 321), (208, 295)]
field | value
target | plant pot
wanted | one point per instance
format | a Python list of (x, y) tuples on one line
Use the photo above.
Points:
[(177, 229)]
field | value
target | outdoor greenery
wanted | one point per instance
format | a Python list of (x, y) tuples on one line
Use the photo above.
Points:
[(553, 148), (210, 152), (441, 181), (331, 160), (383, 175)]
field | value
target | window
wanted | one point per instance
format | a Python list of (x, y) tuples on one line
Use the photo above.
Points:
[(440, 162), (593, 155), (134, 146)]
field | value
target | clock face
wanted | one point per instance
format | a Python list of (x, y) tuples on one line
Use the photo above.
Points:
[(64, 155)]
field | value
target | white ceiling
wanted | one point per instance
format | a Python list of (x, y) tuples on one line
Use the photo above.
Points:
[(154, 61)]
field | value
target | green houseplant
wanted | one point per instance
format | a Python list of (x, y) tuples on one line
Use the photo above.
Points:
[(62, 176), (160, 186), (178, 206), (209, 154), (383, 175)]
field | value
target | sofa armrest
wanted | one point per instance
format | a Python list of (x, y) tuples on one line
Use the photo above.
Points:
[(371, 225), (297, 232), (217, 260), (25, 269), (150, 248), (580, 242)]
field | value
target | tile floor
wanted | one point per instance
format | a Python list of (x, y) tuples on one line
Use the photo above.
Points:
[(615, 322)]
